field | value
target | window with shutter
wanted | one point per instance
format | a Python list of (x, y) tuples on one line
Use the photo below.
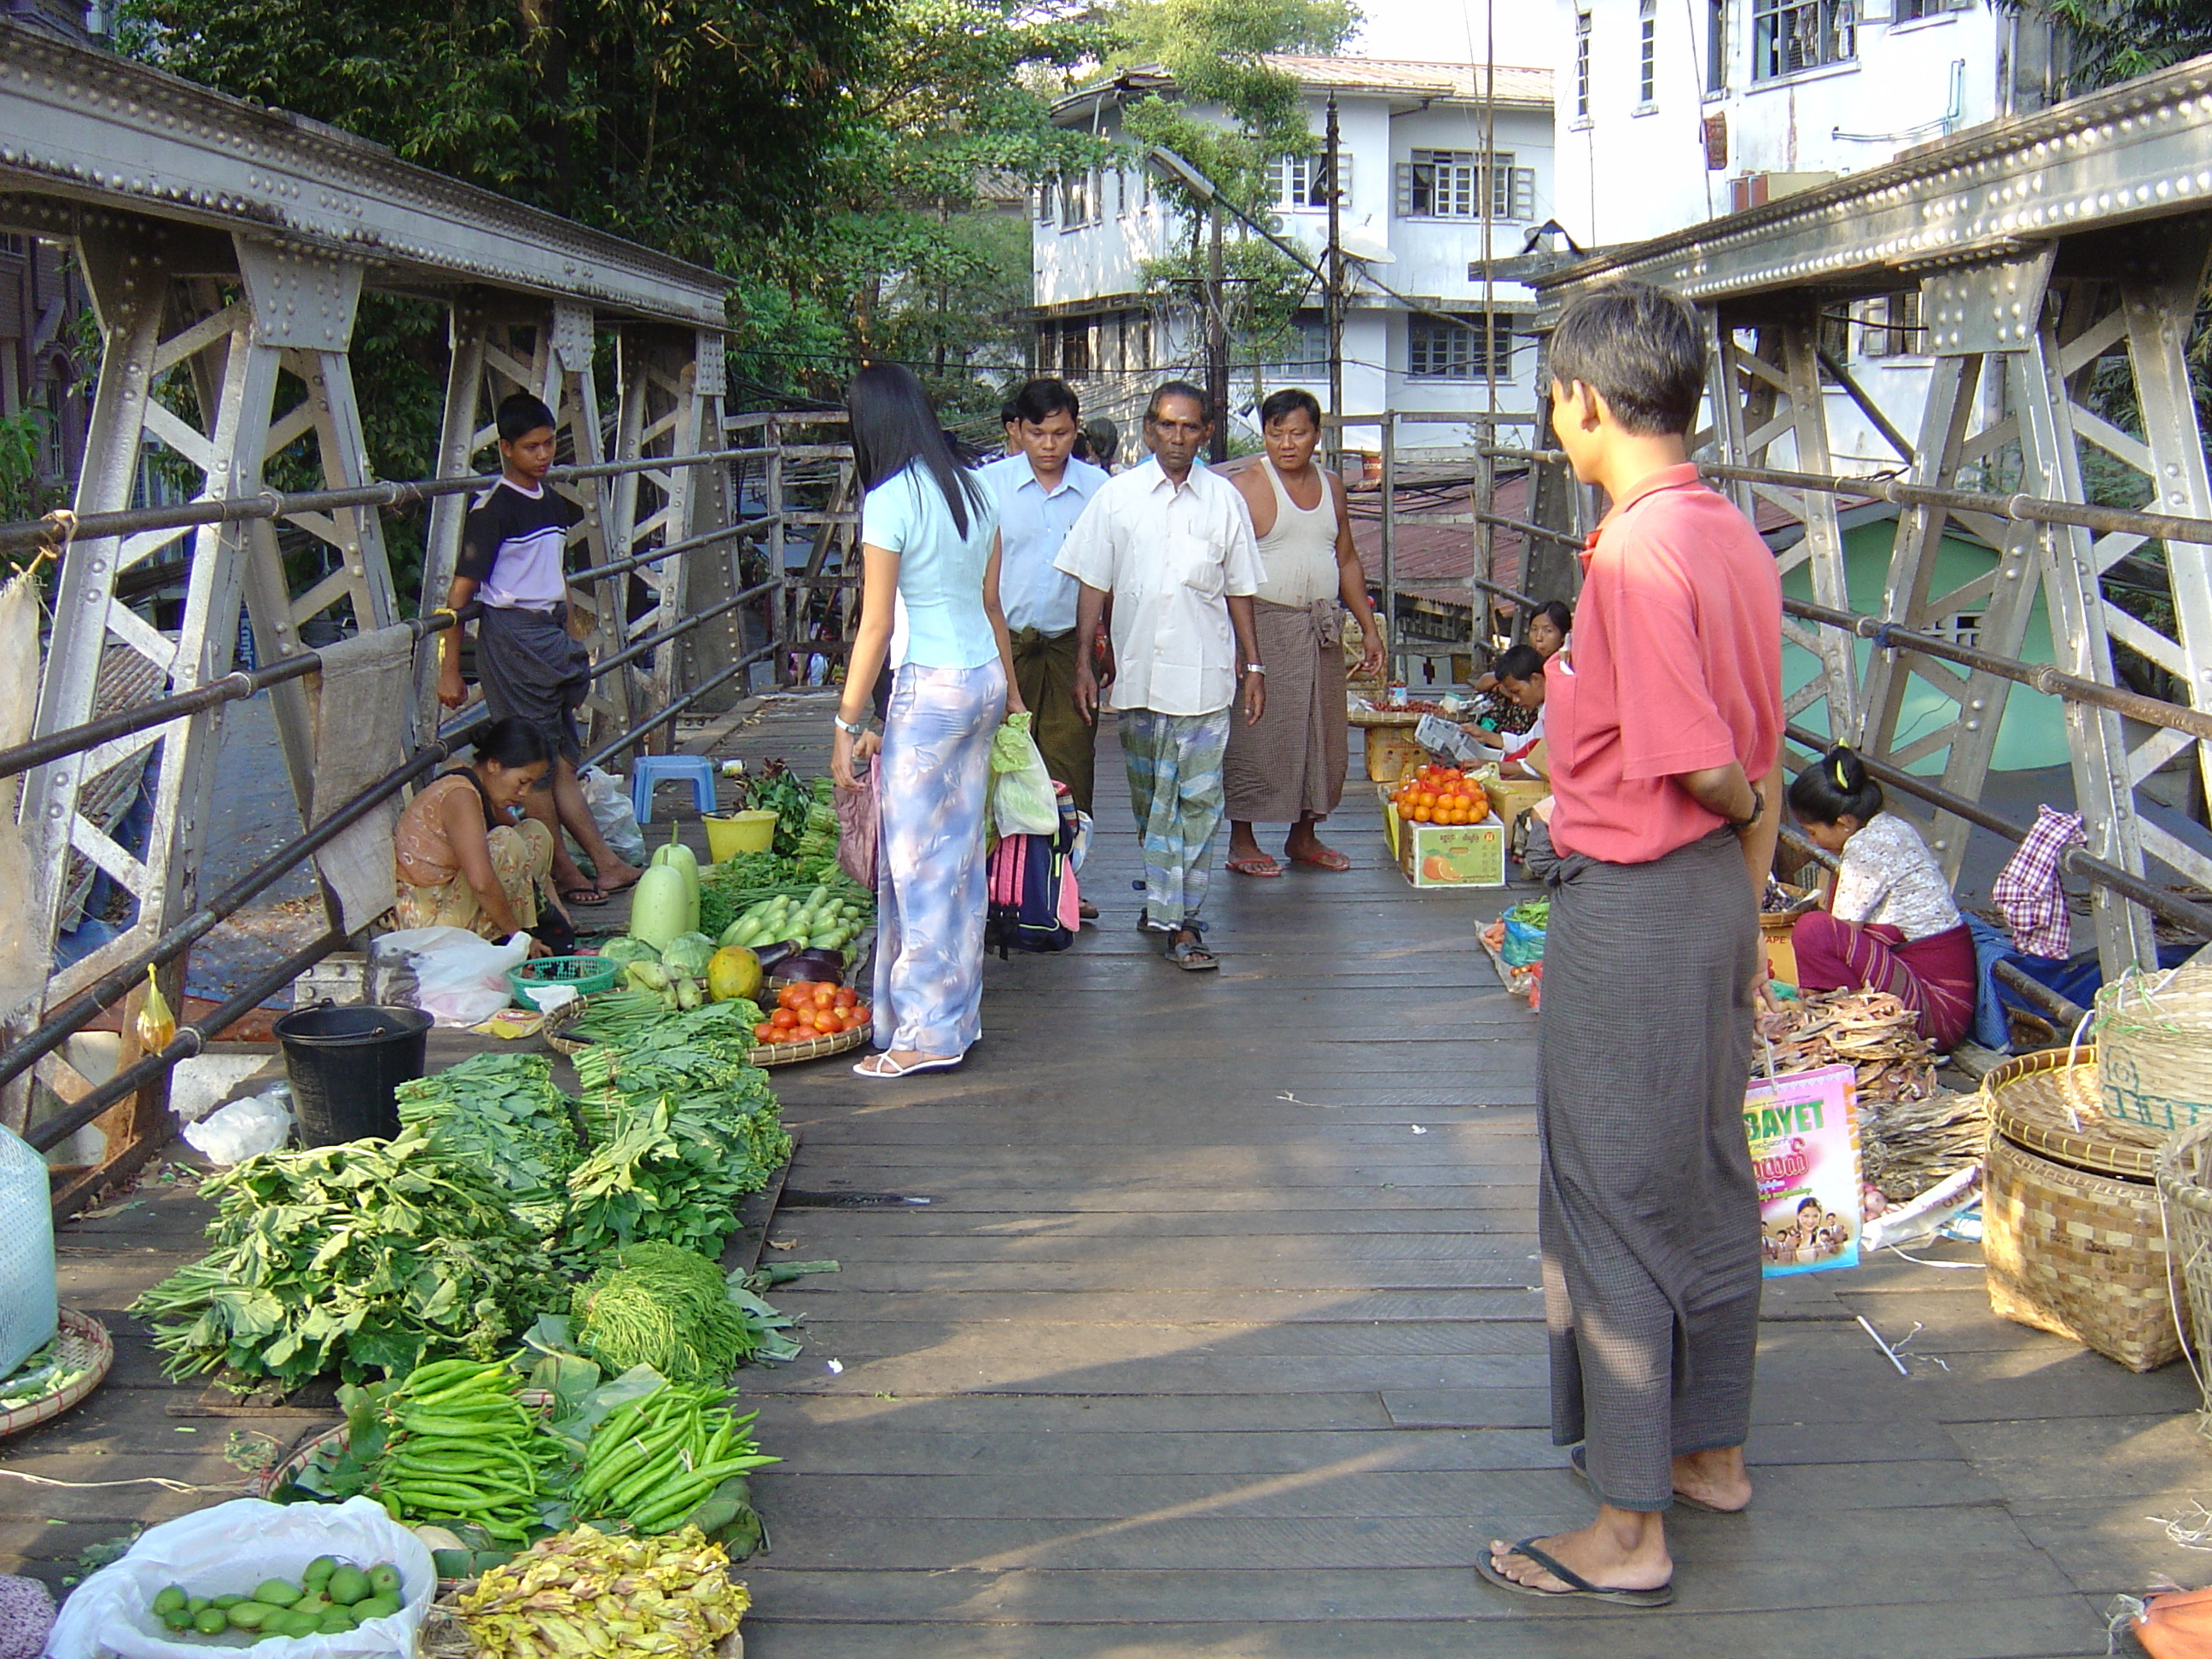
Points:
[(1647, 51), (1582, 66), (1044, 204), (1450, 184), (1789, 35), (1523, 203), (1437, 348)]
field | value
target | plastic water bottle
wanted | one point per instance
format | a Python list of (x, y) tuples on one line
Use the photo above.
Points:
[(27, 1304)]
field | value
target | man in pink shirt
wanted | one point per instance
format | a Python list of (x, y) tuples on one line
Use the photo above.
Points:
[(1664, 721)]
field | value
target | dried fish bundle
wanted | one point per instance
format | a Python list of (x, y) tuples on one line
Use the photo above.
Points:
[(1910, 1146), (1870, 1030)]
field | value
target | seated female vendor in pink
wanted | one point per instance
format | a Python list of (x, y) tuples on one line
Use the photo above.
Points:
[(1891, 924)]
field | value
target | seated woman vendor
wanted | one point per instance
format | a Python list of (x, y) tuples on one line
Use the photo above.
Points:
[(1520, 678), (1547, 633), (1891, 925), (468, 857)]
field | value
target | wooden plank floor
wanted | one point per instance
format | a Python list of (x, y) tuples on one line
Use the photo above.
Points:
[(1215, 1337)]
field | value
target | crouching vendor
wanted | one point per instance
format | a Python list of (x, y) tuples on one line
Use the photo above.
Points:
[(468, 857), (1891, 924)]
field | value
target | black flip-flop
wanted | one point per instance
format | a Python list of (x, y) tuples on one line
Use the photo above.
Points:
[(1575, 1461), (1576, 1584)]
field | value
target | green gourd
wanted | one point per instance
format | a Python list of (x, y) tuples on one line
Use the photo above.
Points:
[(660, 906), (685, 862)]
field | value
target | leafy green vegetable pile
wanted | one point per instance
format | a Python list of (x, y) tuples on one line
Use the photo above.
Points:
[(43, 1373), (502, 1113), (371, 1256)]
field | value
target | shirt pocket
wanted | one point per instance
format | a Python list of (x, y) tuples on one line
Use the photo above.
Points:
[(1197, 564)]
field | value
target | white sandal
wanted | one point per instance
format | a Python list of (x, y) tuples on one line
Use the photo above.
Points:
[(890, 1068)]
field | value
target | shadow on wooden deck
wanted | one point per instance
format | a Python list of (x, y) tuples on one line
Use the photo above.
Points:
[(1216, 1337)]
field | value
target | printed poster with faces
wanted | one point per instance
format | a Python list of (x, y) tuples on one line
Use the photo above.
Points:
[(1804, 1134)]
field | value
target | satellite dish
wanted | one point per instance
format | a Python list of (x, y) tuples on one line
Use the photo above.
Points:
[(1363, 243)]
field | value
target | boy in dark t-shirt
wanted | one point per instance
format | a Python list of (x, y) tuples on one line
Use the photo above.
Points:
[(514, 548)]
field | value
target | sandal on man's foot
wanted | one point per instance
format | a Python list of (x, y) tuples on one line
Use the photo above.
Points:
[(1575, 1583), (589, 897), (1190, 954), (1258, 864), (1326, 858)]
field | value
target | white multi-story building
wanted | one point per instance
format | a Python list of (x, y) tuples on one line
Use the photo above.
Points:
[(1416, 175), (1674, 112)]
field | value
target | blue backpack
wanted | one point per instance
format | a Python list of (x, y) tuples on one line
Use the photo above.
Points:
[(1033, 898)]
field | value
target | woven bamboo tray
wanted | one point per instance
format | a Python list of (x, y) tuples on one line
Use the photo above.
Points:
[(2072, 1232), (80, 1340), (781, 1054)]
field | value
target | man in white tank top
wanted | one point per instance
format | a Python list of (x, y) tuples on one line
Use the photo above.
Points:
[(1288, 767)]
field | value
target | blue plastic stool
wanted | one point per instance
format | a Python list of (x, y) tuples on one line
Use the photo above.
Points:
[(650, 769)]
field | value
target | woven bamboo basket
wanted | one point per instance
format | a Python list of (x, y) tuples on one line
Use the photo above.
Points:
[(779, 1054), (83, 1342), (2185, 1181), (2071, 1230), (2155, 1035)]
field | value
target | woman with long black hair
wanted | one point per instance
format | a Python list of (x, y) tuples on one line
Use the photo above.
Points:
[(929, 535)]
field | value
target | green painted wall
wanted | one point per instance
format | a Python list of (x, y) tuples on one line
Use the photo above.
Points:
[(2034, 729)]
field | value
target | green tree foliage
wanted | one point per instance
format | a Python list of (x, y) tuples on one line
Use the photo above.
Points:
[(1232, 116), (2109, 40), (686, 124)]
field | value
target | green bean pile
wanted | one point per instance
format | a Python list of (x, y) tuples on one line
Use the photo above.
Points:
[(657, 1459)]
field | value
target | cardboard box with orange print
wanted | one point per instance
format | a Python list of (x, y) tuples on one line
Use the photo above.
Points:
[(1453, 854)]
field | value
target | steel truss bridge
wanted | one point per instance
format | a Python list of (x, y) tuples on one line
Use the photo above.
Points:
[(2044, 248)]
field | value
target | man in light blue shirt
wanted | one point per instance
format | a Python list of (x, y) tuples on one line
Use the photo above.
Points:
[(1042, 492)]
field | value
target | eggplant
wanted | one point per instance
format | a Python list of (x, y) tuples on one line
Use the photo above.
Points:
[(769, 954), (801, 964)]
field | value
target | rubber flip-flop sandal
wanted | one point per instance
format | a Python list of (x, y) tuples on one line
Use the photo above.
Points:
[(1334, 861), (869, 1068), (1576, 1461), (589, 897), (1262, 865), (1576, 1584)]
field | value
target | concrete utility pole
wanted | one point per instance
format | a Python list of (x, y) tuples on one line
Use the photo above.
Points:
[(1333, 301), (1216, 344)]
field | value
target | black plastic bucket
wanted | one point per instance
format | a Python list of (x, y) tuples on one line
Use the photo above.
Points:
[(345, 1063)]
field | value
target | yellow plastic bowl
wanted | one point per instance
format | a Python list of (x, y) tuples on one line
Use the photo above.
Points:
[(738, 832)]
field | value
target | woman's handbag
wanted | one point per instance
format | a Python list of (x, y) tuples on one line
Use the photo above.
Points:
[(857, 827)]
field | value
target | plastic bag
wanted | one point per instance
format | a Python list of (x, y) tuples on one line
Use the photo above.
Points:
[(612, 813), (1022, 802), (857, 827), (27, 1308), (448, 973), (244, 1128), (227, 1550)]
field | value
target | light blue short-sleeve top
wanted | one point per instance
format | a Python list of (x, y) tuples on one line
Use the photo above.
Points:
[(940, 579)]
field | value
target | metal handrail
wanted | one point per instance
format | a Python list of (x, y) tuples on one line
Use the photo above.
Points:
[(278, 503)]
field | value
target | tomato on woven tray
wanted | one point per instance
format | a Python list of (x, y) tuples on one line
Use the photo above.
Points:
[(806, 1009)]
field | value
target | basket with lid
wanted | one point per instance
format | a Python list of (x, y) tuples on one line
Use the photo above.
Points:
[(2071, 1230), (2154, 1046)]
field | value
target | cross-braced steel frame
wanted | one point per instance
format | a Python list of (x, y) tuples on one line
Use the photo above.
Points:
[(2049, 252), (226, 248)]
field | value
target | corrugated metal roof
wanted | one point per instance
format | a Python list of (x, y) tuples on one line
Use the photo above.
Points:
[(1396, 77), (1442, 80)]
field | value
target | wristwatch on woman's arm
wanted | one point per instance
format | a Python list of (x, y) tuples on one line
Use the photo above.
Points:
[(852, 728)]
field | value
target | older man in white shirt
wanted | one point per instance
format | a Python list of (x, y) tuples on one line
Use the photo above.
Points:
[(1171, 544)]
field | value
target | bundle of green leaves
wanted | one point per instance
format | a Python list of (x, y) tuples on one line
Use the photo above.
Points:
[(367, 1257), (502, 1113), (660, 1306), (659, 1170)]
